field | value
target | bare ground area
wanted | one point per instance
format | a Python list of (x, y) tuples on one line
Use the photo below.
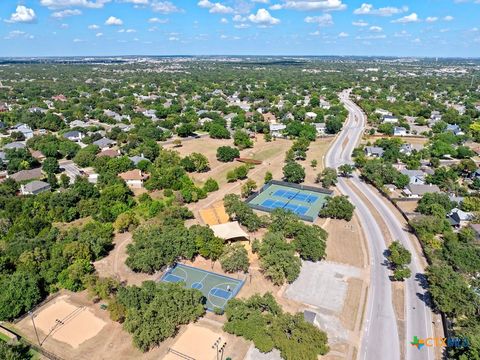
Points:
[(407, 206), (345, 243), (114, 265), (262, 150)]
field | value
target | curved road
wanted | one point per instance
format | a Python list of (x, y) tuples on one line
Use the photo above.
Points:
[(381, 336)]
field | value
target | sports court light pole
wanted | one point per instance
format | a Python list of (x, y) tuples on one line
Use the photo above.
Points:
[(34, 327)]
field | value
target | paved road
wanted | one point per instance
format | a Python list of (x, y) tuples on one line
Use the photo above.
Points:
[(380, 318), (380, 338)]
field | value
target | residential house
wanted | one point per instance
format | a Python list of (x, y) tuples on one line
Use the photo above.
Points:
[(269, 118), (78, 123), (3, 157), (104, 143), (25, 175), (435, 117), (4, 107), (458, 217), (399, 131), (406, 149), (73, 135), (310, 115), (111, 153), (415, 176), (24, 129), (134, 178), (228, 118), (276, 130), (418, 190), (34, 187), (61, 98), (324, 104), (389, 119), (383, 112), (15, 145), (455, 129), (37, 109), (374, 151), (321, 128), (136, 159)]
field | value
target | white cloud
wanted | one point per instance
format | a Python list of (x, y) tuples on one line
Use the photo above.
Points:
[(136, 2), (215, 8), (99, 34), (416, 41), (113, 21), (66, 13), (402, 33), (413, 17), (263, 18), (93, 27), (241, 26), (156, 20), (165, 7), (261, 1), (431, 19), (375, 29), (343, 35), (23, 15), (448, 18), (56, 4), (239, 18), (369, 9), (325, 5), (371, 37), (77, 40), (223, 21), (15, 34), (173, 38), (129, 31), (360, 23), (322, 20)]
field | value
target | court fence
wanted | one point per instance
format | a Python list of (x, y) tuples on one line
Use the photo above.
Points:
[(309, 218)]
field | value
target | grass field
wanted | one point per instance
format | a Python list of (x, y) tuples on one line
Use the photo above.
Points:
[(216, 288)]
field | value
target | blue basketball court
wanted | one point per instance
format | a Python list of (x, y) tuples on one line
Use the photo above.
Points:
[(216, 288)]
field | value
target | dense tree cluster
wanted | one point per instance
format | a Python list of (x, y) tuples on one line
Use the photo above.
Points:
[(261, 320), (338, 207)]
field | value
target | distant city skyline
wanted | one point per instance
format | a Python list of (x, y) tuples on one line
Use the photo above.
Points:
[(430, 28)]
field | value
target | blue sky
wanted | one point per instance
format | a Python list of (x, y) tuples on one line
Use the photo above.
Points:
[(448, 28)]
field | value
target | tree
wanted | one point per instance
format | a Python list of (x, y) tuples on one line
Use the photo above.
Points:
[(19, 292), (227, 153), (293, 172), (399, 258), (50, 165), (338, 207), (235, 258), (248, 188), (346, 170), (314, 163), (333, 125), (238, 210), (328, 177), (210, 185), (261, 320), (242, 140), (268, 177), (125, 222), (195, 162), (208, 245), (156, 310), (450, 292), (430, 203), (14, 351), (278, 260), (218, 131), (185, 130)]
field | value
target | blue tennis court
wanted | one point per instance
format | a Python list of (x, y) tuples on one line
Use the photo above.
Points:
[(304, 201)]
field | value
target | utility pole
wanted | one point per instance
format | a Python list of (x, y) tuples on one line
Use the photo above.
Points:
[(34, 327)]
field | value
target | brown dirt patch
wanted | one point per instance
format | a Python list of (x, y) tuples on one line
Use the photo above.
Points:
[(351, 306), (407, 206), (114, 265), (345, 243)]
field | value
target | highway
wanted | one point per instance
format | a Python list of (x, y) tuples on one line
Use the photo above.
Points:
[(381, 336)]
